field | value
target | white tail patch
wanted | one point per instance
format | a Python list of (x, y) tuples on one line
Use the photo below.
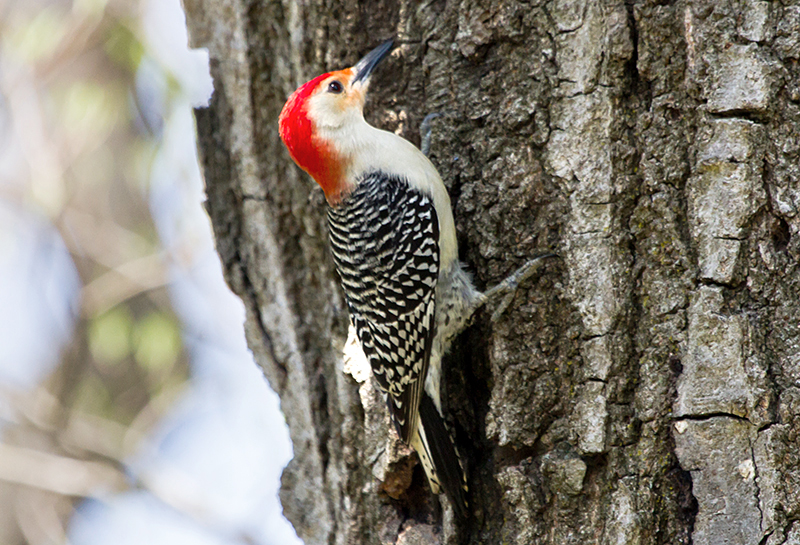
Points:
[(420, 443)]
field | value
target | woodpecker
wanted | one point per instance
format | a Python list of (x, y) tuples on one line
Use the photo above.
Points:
[(393, 241)]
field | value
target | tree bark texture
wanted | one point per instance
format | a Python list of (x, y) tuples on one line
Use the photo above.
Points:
[(642, 389)]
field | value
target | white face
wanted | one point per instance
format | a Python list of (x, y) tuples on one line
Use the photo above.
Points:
[(336, 103)]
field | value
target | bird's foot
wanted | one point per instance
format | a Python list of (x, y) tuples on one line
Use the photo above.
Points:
[(506, 289), (425, 132)]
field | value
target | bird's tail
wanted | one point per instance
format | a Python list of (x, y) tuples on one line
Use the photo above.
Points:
[(439, 456)]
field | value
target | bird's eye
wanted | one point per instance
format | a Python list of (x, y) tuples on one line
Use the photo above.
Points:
[(335, 87)]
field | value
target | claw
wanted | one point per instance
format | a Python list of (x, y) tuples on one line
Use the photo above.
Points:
[(425, 132), (508, 287)]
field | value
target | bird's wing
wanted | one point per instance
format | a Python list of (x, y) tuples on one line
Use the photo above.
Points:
[(385, 243)]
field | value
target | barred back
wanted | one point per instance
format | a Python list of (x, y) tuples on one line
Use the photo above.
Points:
[(385, 242)]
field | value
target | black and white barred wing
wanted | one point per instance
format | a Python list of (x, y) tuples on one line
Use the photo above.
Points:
[(385, 242)]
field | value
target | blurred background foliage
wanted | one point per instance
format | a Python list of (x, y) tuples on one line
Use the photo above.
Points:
[(129, 412)]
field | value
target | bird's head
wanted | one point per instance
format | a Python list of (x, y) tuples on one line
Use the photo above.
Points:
[(318, 121)]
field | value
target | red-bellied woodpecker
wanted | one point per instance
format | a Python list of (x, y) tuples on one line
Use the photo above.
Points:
[(394, 245)]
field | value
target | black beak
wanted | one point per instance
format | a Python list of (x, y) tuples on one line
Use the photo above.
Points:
[(366, 65)]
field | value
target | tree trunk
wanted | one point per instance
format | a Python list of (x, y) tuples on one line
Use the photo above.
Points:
[(642, 389)]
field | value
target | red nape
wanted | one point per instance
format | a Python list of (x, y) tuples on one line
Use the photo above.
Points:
[(312, 154)]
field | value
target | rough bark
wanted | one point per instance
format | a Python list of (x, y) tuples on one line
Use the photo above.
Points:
[(641, 390)]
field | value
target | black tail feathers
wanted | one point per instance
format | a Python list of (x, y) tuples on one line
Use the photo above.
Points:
[(444, 456)]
